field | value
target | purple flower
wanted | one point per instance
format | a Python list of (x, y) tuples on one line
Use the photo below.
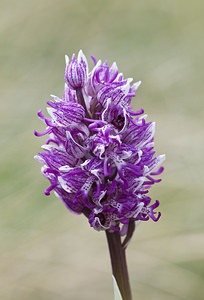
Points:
[(99, 156)]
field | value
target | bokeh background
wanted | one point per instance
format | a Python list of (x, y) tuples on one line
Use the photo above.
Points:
[(45, 251)]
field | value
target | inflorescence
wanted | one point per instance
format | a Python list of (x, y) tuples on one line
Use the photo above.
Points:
[(99, 155)]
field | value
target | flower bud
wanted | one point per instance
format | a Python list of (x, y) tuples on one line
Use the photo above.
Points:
[(76, 71)]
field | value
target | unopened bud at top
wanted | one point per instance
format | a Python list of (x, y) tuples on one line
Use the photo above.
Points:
[(76, 71)]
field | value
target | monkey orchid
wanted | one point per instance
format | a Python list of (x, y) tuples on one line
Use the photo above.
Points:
[(99, 155)]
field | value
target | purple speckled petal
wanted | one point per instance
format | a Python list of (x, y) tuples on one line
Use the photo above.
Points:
[(73, 179)]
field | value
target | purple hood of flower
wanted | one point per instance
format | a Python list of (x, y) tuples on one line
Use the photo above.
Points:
[(99, 155)]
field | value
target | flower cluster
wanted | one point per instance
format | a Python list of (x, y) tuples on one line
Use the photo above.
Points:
[(99, 155)]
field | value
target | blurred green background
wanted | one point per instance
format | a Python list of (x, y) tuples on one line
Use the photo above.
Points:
[(45, 251)]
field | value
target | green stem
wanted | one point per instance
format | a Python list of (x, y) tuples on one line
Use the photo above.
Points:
[(119, 264)]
